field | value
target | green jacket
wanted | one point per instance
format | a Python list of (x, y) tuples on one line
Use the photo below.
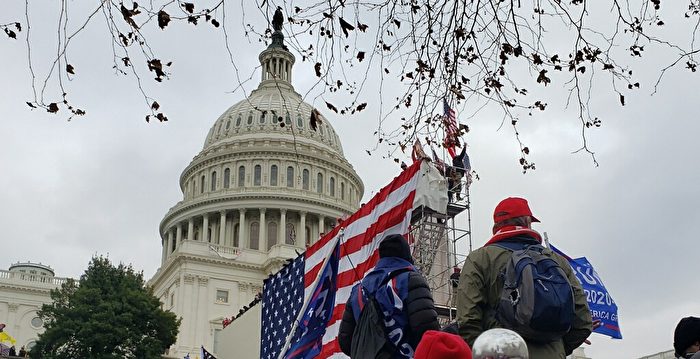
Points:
[(479, 290)]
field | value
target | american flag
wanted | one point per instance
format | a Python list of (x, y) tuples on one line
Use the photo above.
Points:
[(449, 120), (205, 354), (342, 257)]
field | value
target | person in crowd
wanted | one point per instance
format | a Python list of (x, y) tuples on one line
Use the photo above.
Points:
[(22, 352), (442, 345), (410, 301), (686, 338), (481, 282), (13, 351)]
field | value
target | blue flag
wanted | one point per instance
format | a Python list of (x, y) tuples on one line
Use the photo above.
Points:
[(600, 302), (307, 339)]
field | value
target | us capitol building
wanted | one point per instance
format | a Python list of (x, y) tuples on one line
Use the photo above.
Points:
[(264, 186)]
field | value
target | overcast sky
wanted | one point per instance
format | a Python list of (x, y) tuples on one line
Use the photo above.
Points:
[(100, 184)]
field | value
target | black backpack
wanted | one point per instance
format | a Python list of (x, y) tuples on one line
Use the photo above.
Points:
[(537, 300), (369, 340)]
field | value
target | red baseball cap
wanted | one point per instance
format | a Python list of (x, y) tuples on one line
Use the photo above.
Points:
[(512, 207)]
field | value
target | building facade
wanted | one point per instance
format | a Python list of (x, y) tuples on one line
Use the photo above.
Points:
[(24, 288), (265, 185)]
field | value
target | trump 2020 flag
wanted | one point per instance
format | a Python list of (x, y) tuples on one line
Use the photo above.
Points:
[(600, 302), (306, 341)]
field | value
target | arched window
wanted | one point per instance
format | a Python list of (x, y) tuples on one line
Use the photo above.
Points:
[(213, 181), (250, 118), (319, 182), (305, 179), (290, 176), (236, 231), (257, 174), (273, 175), (241, 176), (238, 121), (271, 235), (300, 122), (342, 190), (288, 119), (332, 187), (308, 236), (201, 185), (227, 178), (262, 116), (254, 235), (289, 234), (228, 124)]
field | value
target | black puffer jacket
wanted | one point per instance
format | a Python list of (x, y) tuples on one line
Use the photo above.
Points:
[(418, 305)]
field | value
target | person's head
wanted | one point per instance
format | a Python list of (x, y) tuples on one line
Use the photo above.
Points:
[(512, 211), (686, 337), (395, 245), (500, 343), (442, 345)]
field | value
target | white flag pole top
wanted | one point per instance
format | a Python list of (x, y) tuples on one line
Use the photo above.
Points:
[(305, 306), (546, 239)]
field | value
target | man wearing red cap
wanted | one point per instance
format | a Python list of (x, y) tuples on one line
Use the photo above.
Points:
[(481, 282)]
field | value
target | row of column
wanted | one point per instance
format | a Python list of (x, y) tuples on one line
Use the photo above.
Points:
[(175, 234)]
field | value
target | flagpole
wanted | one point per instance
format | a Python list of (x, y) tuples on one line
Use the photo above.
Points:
[(305, 306), (546, 239)]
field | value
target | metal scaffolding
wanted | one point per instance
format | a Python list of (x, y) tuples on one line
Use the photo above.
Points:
[(435, 240)]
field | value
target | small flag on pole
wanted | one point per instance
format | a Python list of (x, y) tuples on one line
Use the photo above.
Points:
[(206, 354), (449, 120)]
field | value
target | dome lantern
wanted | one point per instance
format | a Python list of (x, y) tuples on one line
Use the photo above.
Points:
[(276, 61)]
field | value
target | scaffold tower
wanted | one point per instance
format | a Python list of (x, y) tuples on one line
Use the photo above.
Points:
[(440, 246)]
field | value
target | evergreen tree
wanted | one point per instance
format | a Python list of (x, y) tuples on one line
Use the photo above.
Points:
[(109, 313)]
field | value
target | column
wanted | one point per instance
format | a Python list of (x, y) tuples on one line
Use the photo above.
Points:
[(190, 229), (302, 229), (283, 226), (178, 237), (222, 228), (241, 227), (263, 231), (321, 225), (171, 243), (164, 252), (205, 228)]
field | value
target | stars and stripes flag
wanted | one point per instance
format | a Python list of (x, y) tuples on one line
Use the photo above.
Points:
[(449, 120), (304, 302)]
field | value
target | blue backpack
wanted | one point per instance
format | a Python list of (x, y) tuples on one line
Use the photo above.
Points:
[(537, 300)]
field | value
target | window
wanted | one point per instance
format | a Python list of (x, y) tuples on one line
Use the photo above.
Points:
[(290, 176), (236, 231), (227, 178), (221, 296), (319, 183), (305, 179), (300, 122), (250, 118), (241, 176), (262, 116), (217, 334), (257, 173), (228, 124), (288, 119), (271, 235), (238, 121), (332, 187), (201, 185), (255, 235), (213, 181), (37, 322), (290, 235), (308, 236), (172, 299), (273, 175), (342, 190)]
